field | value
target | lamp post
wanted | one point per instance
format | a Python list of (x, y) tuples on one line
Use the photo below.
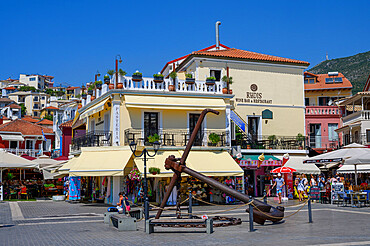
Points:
[(120, 60), (145, 153), (97, 75)]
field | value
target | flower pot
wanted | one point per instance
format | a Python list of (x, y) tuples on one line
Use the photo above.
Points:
[(92, 98), (111, 86), (119, 85), (154, 173), (79, 106), (171, 88), (90, 92), (98, 86), (137, 78), (158, 79), (210, 82), (106, 81), (224, 91), (84, 96), (230, 91), (189, 81)]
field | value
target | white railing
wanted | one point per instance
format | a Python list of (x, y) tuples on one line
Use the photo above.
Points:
[(30, 152), (360, 115), (322, 110)]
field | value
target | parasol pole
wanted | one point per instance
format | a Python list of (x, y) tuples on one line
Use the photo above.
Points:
[(355, 174)]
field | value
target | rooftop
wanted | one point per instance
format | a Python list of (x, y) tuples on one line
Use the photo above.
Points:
[(51, 107), (30, 119), (322, 85), (66, 124), (45, 122), (24, 127)]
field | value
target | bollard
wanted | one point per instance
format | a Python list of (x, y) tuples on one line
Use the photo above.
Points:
[(309, 208), (264, 197), (250, 216), (190, 208)]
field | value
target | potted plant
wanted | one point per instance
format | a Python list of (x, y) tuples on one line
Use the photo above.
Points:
[(154, 170), (214, 138), (158, 78), (227, 80), (84, 95), (173, 76), (137, 76), (189, 80), (271, 139), (121, 72), (90, 91), (98, 84), (106, 80), (210, 80), (300, 139), (153, 138)]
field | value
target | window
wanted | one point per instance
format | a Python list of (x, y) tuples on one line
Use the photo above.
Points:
[(42, 105), (367, 135), (193, 119), (35, 114), (216, 74), (323, 101), (306, 81), (35, 99), (32, 79), (307, 101), (35, 106), (29, 144), (331, 131), (13, 144), (42, 98), (329, 80), (151, 124), (338, 80)]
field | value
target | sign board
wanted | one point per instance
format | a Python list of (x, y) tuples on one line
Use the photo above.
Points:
[(335, 188), (324, 160), (289, 185), (315, 193), (236, 119)]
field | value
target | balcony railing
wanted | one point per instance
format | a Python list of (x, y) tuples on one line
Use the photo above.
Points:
[(270, 142), (322, 110), (359, 115), (323, 142), (30, 152), (357, 138), (177, 137), (92, 139)]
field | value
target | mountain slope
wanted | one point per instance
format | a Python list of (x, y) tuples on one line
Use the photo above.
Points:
[(356, 68)]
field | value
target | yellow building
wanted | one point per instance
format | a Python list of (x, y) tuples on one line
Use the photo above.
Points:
[(34, 101)]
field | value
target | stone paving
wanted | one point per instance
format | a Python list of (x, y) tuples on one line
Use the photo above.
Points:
[(61, 223)]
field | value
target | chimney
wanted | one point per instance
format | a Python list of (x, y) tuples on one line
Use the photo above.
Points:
[(218, 23)]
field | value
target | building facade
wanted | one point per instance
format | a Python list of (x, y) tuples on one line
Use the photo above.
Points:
[(38, 81), (33, 101)]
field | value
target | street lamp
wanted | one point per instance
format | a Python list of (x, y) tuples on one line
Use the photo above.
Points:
[(145, 153), (120, 60), (97, 74)]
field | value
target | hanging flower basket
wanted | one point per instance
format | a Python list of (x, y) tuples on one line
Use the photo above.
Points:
[(210, 81), (154, 170), (137, 77), (158, 78), (134, 174)]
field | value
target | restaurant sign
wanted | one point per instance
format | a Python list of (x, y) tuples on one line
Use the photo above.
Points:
[(323, 160), (252, 164), (253, 96)]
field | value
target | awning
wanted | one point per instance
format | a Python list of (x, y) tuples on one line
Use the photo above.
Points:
[(95, 109), (351, 169), (185, 103), (101, 162), (7, 137), (65, 168), (296, 162), (208, 163), (251, 161)]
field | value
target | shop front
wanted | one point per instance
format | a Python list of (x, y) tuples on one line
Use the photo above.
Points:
[(257, 180)]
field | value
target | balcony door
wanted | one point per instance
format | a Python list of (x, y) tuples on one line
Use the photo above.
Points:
[(193, 119), (315, 135), (151, 124), (253, 127)]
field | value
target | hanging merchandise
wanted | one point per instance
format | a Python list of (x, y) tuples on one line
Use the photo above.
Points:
[(74, 188), (134, 174)]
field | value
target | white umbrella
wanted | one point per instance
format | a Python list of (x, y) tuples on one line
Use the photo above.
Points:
[(353, 154), (45, 160), (47, 170)]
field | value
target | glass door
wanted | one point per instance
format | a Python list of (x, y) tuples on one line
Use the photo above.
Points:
[(315, 135), (151, 125), (193, 119), (253, 123)]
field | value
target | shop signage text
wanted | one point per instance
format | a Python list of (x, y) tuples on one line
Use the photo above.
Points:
[(253, 96)]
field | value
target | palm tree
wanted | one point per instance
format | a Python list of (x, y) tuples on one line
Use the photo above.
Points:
[(121, 72), (110, 72)]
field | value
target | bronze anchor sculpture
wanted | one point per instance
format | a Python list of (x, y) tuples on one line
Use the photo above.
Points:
[(177, 165)]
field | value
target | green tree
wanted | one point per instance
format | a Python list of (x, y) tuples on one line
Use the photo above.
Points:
[(48, 117), (23, 109)]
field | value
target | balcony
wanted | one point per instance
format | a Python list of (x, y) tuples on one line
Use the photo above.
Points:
[(178, 138), (30, 152), (147, 84), (323, 142), (92, 139), (270, 142), (357, 116), (322, 111), (357, 138)]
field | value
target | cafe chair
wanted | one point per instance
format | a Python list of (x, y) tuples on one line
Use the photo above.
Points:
[(326, 197), (343, 199), (24, 192)]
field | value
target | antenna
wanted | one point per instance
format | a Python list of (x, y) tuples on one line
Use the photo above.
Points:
[(327, 57), (218, 23)]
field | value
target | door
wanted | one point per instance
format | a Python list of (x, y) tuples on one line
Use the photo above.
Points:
[(315, 135), (253, 123), (151, 125), (193, 119)]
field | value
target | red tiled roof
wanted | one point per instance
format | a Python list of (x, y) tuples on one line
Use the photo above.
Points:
[(30, 119), (51, 107), (249, 55), (45, 122), (72, 88), (24, 127), (4, 117), (321, 85), (13, 105), (66, 124), (10, 88), (5, 99), (183, 57)]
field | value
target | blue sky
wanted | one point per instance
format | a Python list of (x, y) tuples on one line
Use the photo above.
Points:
[(72, 39)]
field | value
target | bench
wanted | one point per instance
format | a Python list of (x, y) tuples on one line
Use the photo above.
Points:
[(168, 222), (123, 222), (107, 216)]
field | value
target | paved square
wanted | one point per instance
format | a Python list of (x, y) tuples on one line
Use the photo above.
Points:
[(61, 223)]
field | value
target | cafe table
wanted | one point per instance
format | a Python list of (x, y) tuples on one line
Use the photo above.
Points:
[(358, 194)]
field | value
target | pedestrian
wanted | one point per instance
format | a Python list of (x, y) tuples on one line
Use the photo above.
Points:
[(313, 181), (300, 188), (279, 183)]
